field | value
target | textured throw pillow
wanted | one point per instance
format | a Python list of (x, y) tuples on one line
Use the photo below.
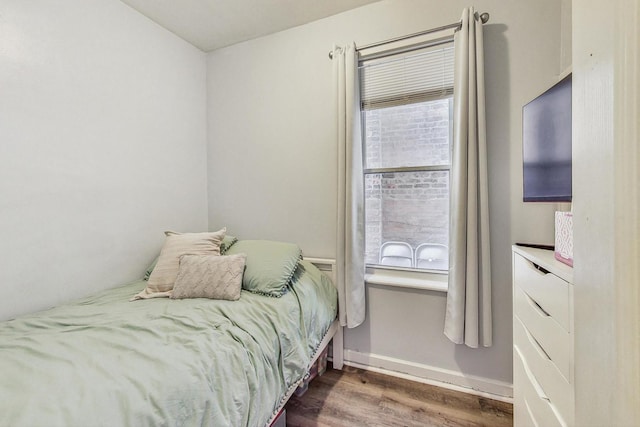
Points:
[(209, 276), (270, 265), (175, 245)]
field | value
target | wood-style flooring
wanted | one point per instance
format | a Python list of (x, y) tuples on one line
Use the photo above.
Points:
[(354, 397)]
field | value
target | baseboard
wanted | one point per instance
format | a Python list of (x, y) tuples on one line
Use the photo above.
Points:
[(439, 377)]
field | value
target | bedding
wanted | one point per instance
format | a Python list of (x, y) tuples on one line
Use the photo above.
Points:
[(106, 361)]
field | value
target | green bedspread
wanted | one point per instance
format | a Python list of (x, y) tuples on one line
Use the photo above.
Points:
[(160, 362)]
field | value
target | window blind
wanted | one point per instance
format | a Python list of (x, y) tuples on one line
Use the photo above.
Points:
[(407, 78)]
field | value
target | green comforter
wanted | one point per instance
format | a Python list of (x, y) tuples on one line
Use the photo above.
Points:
[(107, 361)]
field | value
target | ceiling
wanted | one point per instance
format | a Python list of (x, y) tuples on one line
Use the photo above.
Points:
[(212, 24)]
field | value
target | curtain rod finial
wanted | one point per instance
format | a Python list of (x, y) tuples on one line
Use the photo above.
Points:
[(484, 17)]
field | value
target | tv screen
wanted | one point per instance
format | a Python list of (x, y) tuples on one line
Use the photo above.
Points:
[(546, 145)]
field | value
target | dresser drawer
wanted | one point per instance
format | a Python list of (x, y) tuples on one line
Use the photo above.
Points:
[(549, 291), (545, 372), (522, 415), (554, 340), (534, 404)]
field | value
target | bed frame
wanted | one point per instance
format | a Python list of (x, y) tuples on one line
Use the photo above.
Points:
[(328, 267)]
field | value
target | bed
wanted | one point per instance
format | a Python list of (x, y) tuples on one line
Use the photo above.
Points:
[(105, 360)]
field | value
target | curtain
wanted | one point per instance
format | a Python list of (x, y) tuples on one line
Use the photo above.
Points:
[(468, 314), (350, 209)]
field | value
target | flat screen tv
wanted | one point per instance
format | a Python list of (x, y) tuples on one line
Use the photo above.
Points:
[(546, 145)]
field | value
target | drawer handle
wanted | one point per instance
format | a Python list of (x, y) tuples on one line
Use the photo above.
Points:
[(540, 268), (534, 342), (532, 378), (537, 307)]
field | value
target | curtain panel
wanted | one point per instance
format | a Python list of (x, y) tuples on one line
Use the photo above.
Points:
[(468, 313), (350, 204)]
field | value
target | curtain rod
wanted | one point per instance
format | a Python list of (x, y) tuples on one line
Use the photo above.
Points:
[(484, 18)]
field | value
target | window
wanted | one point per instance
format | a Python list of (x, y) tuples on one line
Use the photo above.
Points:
[(407, 110)]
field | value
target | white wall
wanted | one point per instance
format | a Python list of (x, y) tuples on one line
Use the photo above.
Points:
[(566, 35), (102, 147), (272, 157)]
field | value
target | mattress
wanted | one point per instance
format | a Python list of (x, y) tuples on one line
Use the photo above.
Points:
[(106, 361)]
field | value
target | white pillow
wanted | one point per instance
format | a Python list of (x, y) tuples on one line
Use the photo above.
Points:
[(176, 245)]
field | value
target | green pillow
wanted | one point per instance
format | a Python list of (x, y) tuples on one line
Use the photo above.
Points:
[(269, 266), (227, 242), (149, 270)]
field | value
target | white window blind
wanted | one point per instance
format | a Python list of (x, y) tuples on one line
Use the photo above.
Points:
[(407, 78)]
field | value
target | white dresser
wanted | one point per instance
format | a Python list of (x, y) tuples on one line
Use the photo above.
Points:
[(543, 383)]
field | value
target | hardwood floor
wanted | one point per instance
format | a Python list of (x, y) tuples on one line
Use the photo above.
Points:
[(354, 397)]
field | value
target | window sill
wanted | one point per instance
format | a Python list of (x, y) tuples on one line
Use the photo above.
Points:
[(408, 280)]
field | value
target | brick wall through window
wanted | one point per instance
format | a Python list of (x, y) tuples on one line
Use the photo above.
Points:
[(411, 207)]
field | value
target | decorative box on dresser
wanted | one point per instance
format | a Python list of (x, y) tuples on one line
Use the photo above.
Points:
[(543, 383)]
